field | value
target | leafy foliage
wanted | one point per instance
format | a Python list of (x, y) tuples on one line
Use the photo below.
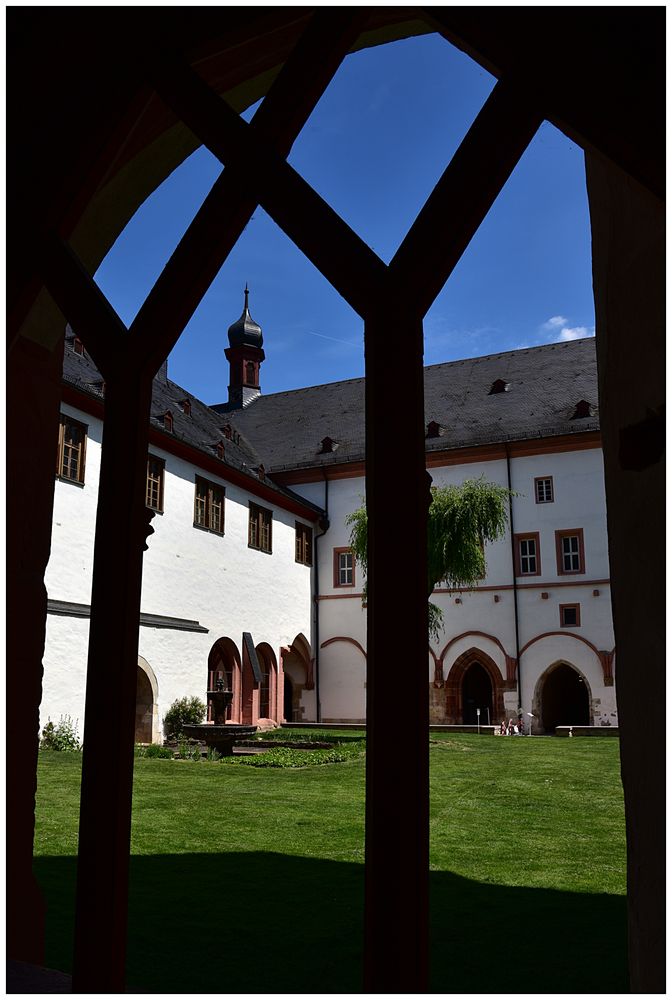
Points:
[(292, 757), (62, 736), (461, 519), (183, 712), (154, 750), (187, 750)]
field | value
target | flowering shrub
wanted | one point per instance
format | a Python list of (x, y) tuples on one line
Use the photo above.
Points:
[(62, 736)]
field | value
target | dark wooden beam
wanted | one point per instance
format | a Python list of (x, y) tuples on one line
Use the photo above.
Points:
[(319, 232), (228, 207), (107, 761), (464, 195), (83, 304), (614, 106), (397, 797)]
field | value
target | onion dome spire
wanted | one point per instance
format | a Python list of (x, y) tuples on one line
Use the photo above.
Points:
[(245, 332)]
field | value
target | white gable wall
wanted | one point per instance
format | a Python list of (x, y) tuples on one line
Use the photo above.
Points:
[(188, 573)]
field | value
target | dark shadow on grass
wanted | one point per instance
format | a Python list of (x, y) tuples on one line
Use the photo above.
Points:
[(273, 923)]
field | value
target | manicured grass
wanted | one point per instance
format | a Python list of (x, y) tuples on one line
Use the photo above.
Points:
[(251, 880)]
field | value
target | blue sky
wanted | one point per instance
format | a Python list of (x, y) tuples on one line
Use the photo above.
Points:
[(374, 147)]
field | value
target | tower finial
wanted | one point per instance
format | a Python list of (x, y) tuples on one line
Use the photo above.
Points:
[(247, 292)]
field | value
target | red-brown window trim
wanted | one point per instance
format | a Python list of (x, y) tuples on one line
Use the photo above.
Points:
[(259, 516), (209, 503), (81, 464), (541, 479), (568, 533), (577, 608), (161, 477), (524, 536), (303, 549), (337, 553)]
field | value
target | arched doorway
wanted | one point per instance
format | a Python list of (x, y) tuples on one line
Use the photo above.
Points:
[(144, 708), (474, 681), (224, 664), (146, 704), (476, 696), (565, 699)]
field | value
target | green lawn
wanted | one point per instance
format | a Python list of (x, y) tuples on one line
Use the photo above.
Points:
[(251, 880)]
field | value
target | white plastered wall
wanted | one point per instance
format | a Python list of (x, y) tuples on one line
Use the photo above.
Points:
[(579, 502), (188, 573)]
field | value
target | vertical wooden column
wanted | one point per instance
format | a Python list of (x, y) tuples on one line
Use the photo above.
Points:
[(397, 785), (33, 398), (107, 773), (628, 233)]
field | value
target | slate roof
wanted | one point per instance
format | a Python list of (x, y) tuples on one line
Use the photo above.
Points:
[(285, 430), (544, 386), (202, 429)]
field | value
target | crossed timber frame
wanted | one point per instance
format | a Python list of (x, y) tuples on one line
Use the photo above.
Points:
[(392, 301)]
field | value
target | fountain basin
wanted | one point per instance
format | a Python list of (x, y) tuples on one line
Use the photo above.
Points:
[(221, 738)]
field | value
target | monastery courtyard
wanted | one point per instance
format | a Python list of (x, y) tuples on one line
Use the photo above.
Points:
[(250, 879)]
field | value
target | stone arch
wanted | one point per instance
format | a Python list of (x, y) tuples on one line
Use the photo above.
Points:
[(455, 679), (297, 670), (268, 692), (568, 699), (147, 728), (511, 663), (224, 661), (344, 638)]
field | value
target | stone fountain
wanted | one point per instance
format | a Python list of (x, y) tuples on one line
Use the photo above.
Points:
[(220, 734)]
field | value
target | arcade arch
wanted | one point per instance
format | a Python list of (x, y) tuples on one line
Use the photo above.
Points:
[(297, 668), (474, 681), (268, 690), (224, 663), (562, 697), (147, 729)]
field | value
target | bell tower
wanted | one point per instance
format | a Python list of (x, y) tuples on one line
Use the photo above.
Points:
[(244, 355)]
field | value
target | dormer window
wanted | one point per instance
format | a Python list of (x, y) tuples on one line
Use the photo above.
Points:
[(226, 431), (168, 421), (582, 410), (78, 346), (186, 407), (261, 472), (219, 450), (499, 385), (434, 430), (327, 445)]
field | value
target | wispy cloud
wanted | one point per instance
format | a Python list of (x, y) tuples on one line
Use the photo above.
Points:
[(336, 340), (558, 325), (576, 333), (554, 322)]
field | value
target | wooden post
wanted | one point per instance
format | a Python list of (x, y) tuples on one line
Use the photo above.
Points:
[(33, 398), (397, 786), (107, 773)]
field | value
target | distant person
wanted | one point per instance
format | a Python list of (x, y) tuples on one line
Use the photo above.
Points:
[(502, 728)]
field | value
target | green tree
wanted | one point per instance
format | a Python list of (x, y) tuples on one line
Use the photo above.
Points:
[(461, 519)]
